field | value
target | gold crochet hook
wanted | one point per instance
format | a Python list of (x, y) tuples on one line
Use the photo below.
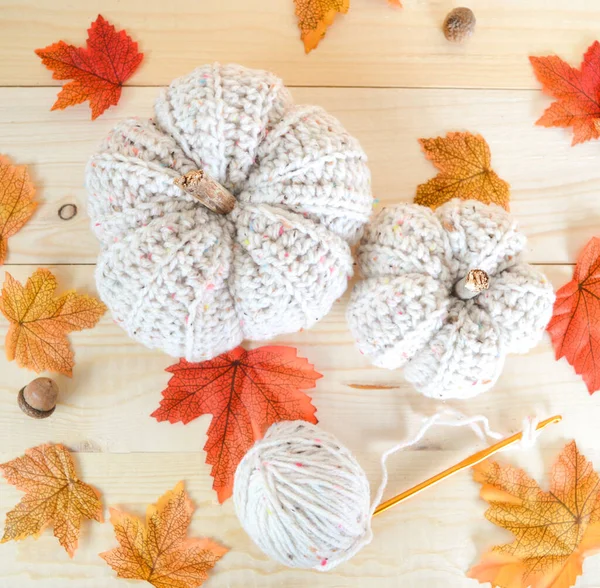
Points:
[(464, 464)]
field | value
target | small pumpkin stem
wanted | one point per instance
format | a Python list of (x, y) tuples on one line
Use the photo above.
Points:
[(473, 283), (201, 186)]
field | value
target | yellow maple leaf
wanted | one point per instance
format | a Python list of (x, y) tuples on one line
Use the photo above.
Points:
[(53, 495), (37, 336), (554, 531), (464, 162), (16, 201), (159, 551)]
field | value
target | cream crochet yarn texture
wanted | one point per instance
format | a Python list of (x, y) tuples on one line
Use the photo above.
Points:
[(406, 312), (193, 283), (303, 497)]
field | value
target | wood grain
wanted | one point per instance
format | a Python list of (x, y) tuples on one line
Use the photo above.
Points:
[(391, 77), (374, 45), (555, 186), (428, 542), (103, 416), (117, 383)]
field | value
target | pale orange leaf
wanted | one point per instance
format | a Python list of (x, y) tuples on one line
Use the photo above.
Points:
[(159, 551), (40, 321), (315, 16), (16, 201), (53, 495), (554, 530), (464, 162)]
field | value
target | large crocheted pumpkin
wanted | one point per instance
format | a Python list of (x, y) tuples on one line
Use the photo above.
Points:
[(195, 283), (446, 295)]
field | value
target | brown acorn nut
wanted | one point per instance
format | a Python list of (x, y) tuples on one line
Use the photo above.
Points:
[(459, 24), (38, 398)]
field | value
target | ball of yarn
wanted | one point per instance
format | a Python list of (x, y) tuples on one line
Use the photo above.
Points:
[(411, 309), (302, 497), (194, 283)]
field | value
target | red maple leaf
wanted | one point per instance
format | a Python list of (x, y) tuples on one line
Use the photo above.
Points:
[(246, 392), (577, 92), (98, 71), (575, 323)]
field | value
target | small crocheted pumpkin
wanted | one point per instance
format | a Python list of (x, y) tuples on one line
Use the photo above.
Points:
[(195, 283), (446, 295)]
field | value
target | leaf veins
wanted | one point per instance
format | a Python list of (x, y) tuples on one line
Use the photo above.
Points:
[(160, 551), (98, 70), (464, 162), (53, 496), (246, 392), (554, 530), (16, 201), (575, 324), (40, 322)]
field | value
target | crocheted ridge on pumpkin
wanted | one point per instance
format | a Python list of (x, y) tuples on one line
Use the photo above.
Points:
[(405, 313), (193, 283)]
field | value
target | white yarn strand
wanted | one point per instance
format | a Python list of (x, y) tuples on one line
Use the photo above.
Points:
[(304, 499), (479, 424)]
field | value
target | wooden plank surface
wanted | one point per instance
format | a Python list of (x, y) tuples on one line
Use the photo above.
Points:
[(117, 384), (103, 416), (391, 77), (555, 186), (373, 45)]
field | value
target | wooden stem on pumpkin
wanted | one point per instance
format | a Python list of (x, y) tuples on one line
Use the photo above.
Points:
[(473, 283), (201, 186)]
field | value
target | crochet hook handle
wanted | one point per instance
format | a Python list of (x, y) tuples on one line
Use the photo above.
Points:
[(464, 464)]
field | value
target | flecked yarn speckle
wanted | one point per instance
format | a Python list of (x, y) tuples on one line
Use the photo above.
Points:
[(303, 498), (183, 279), (405, 313)]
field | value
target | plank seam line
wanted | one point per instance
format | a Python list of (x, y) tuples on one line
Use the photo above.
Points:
[(325, 87)]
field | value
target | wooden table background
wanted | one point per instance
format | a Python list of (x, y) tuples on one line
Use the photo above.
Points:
[(391, 77)]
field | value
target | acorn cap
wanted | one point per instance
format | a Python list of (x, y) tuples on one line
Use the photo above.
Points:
[(38, 398)]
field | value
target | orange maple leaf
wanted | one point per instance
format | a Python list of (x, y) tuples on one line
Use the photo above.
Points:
[(39, 322), (575, 324), (464, 162), (554, 531), (16, 201), (53, 495), (316, 16), (246, 392), (160, 551), (98, 71), (577, 93)]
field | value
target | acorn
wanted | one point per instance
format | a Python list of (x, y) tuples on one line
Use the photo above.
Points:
[(459, 24), (38, 398)]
